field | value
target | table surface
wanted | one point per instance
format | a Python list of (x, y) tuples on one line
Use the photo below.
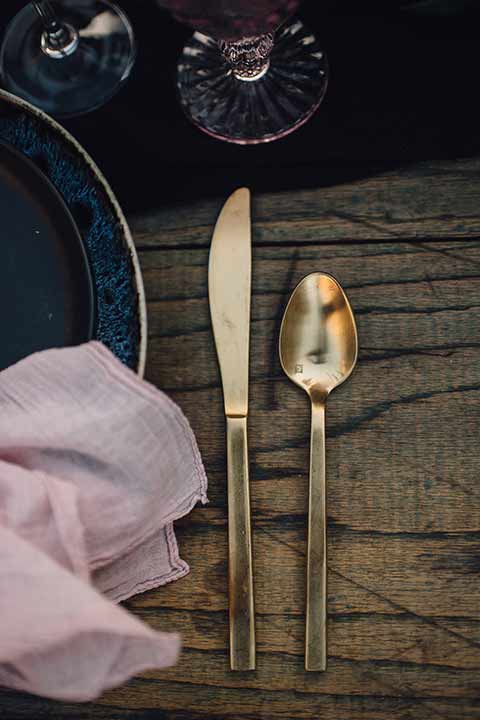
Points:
[(403, 455)]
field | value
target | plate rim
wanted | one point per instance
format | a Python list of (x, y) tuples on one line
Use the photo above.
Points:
[(130, 245)]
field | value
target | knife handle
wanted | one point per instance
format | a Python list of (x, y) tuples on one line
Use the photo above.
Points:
[(240, 575)]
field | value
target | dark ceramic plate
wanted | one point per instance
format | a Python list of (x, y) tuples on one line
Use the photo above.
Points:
[(68, 267)]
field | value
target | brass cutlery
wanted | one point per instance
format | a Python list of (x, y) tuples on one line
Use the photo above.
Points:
[(318, 352), (229, 287)]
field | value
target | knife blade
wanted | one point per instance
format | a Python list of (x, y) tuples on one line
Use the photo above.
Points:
[(229, 288)]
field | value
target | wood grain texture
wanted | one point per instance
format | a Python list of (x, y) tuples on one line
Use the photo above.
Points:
[(402, 463), (433, 200)]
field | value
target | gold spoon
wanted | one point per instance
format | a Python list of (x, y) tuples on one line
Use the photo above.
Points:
[(318, 351)]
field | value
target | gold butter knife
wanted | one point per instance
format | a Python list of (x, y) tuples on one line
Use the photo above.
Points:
[(229, 288)]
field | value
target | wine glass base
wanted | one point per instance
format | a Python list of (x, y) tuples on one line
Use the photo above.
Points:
[(76, 82), (258, 111)]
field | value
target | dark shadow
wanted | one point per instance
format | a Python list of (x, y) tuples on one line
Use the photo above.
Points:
[(403, 89)]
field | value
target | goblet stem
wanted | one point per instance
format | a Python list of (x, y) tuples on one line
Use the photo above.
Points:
[(46, 14), (249, 58), (58, 39)]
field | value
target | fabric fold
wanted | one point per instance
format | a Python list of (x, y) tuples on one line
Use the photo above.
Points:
[(95, 467)]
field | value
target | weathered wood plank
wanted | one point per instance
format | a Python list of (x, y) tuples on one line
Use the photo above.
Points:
[(422, 333), (430, 200), (404, 519), (147, 699), (402, 462), (228, 703), (421, 575)]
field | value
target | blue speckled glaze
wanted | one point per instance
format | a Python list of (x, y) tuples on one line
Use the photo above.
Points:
[(117, 322)]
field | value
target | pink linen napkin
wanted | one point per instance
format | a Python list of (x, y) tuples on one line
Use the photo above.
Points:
[(95, 466)]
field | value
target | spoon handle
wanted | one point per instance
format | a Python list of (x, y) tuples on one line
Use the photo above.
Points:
[(316, 623)]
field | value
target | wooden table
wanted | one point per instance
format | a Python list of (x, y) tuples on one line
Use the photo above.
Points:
[(403, 457)]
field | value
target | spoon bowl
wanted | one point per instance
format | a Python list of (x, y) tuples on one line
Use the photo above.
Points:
[(318, 337), (318, 352)]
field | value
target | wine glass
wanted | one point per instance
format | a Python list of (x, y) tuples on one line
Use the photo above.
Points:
[(249, 74), (67, 57)]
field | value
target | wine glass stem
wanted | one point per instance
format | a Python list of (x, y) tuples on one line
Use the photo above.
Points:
[(47, 15), (249, 58), (58, 39)]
